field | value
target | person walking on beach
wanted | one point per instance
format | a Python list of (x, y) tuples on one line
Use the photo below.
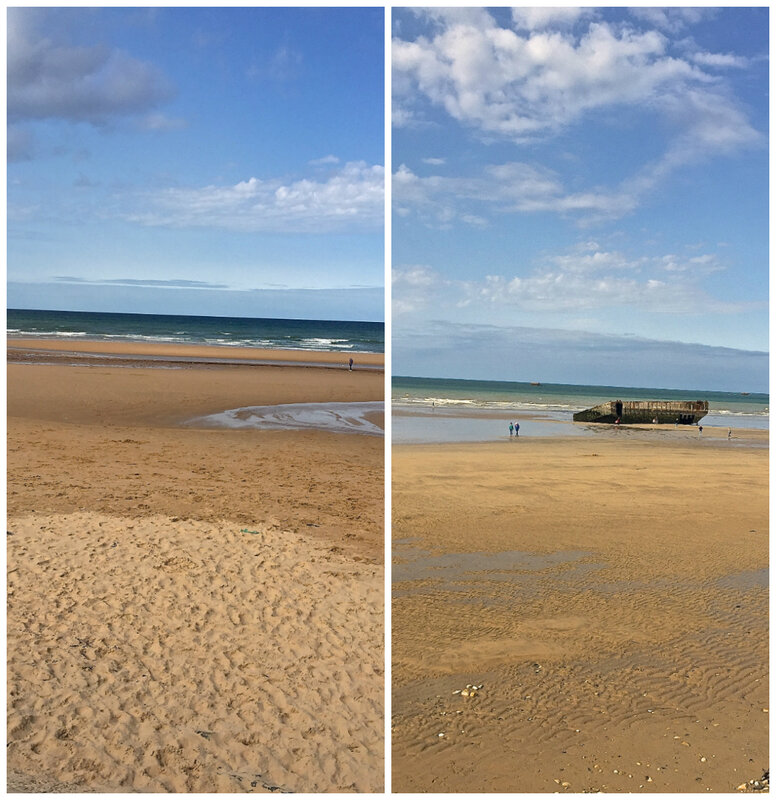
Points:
[(511, 429), (350, 365), (730, 433), (700, 430), (517, 429)]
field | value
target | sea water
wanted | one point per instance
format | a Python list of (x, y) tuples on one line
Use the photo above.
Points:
[(282, 334), (437, 409)]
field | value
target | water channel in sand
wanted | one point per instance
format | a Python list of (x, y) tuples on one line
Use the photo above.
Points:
[(332, 417)]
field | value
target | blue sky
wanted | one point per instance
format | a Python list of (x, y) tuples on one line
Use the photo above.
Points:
[(581, 195), (200, 160)]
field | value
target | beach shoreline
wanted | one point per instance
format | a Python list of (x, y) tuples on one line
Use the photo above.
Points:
[(19, 345), (413, 427), (192, 609)]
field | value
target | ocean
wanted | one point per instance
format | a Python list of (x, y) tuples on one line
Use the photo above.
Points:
[(281, 334), (466, 408)]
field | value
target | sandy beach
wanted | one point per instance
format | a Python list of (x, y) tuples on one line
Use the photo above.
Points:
[(608, 595), (191, 609)]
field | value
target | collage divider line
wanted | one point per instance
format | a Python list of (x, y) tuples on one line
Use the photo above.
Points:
[(387, 415)]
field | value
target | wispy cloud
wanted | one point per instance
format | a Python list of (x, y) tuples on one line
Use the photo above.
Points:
[(672, 20), (162, 122), (149, 282), (350, 198), (541, 17), (518, 187), (720, 60), (325, 160), (583, 278), (413, 287), (283, 65), (513, 187)]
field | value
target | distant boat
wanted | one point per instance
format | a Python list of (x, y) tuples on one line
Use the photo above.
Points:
[(745, 393), (535, 383)]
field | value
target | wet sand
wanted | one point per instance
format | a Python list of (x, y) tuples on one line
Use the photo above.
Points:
[(608, 594), (195, 610)]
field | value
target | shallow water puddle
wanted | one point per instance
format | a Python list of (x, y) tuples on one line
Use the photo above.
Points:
[(458, 572), (331, 417), (749, 579), (458, 565), (423, 428)]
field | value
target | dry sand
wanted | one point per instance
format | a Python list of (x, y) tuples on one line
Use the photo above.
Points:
[(609, 595), (191, 610)]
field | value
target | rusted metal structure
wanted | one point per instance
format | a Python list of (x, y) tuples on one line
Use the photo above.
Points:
[(646, 411)]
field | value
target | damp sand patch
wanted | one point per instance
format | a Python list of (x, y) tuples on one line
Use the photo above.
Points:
[(457, 565), (463, 572), (746, 580), (331, 417)]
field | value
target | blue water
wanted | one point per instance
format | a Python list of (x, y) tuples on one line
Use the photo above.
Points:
[(283, 334), (434, 409)]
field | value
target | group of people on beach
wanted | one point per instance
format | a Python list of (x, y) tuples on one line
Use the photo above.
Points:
[(514, 427)]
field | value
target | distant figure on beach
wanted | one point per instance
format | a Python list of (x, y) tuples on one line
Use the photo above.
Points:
[(654, 420), (350, 365), (700, 430), (517, 429), (730, 433), (511, 429), (617, 421)]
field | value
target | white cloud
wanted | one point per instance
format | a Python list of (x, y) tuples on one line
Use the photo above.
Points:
[(568, 291), (412, 287), (720, 60), (330, 159), (517, 86), (672, 20), (541, 17), (415, 276), (450, 15), (587, 277), (351, 198), (514, 187), (582, 278), (401, 117), (708, 121), (161, 122)]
